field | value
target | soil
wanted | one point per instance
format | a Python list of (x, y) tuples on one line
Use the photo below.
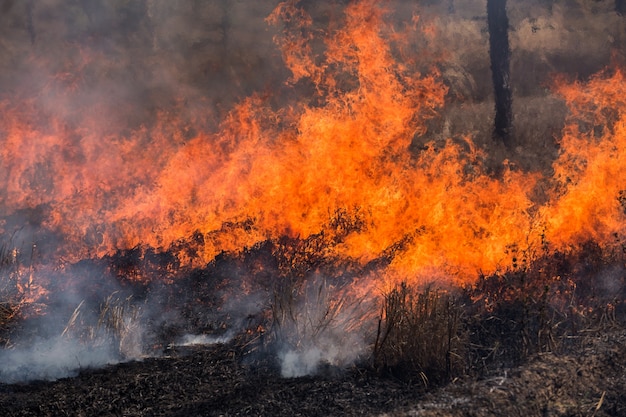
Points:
[(222, 380)]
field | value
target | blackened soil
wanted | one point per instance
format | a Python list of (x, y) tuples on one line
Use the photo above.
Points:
[(220, 381), (211, 381)]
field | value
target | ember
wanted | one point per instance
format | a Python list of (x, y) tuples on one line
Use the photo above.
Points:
[(307, 188)]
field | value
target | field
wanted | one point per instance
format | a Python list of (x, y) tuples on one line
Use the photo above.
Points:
[(300, 208)]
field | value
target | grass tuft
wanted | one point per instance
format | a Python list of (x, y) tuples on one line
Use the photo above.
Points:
[(419, 336)]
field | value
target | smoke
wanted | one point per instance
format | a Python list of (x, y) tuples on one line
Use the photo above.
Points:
[(204, 339), (79, 81), (80, 347), (321, 325), (141, 55), (334, 348), (51, 359), (294, 364), (88, 320)]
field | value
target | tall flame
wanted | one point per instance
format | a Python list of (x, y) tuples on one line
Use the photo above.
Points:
[(588, 202), (340, 151)]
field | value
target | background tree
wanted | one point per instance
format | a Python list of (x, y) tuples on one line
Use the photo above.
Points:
[(500, 56)]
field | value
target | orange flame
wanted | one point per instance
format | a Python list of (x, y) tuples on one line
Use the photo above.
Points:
[(588, 202), (288, 171)]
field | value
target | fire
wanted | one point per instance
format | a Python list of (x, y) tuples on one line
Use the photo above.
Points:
[(289, 170), (588, 201), (336, 161)]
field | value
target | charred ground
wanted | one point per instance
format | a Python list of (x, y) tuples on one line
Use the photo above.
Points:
[(215, 381), (523, 343)]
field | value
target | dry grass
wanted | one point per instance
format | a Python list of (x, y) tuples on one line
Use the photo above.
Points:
[(544, 303), (121, 318), (420, 336), (321, 317), (117, 322), (11, 294)]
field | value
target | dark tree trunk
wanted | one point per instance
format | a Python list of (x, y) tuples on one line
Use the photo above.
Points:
[(29, 21), (500, 55)]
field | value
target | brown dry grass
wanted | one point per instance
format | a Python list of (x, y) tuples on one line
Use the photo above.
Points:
[(543, 303), (117, 321), (420, 338), (11, 295)]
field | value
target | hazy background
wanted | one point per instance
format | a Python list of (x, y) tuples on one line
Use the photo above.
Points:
[(121, 62)]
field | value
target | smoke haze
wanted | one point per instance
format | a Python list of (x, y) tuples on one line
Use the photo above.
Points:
[(124, 123)]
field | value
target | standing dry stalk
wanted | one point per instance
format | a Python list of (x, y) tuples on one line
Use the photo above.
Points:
[(419, 335), (72, 321), (121, 319)]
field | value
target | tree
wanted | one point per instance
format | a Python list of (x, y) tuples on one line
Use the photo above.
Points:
[(500, 56)]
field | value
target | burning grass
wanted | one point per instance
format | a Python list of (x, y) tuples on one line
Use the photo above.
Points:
[(546, 305), (12, 291), (307, 226), (422, 335)]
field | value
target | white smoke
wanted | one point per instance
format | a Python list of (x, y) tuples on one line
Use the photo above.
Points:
[(205, 339), (54, 358), (294, 364), (94, 335), (323, 325), (335, 349)]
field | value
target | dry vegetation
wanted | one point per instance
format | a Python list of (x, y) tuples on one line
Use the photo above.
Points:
[(11, 290), (420, 337), (543, 305), (544, 319), (552, 303)]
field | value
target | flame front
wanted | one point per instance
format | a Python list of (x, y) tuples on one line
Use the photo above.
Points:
[(336, 159), (588, 202)]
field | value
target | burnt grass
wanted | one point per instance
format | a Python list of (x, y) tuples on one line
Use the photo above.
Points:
[(213, 381), (545, 337)]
